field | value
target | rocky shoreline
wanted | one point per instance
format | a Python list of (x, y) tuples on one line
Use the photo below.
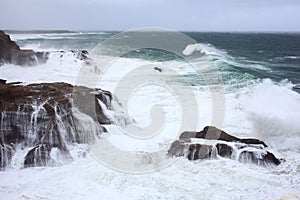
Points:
[(44, 116), (11, 53)]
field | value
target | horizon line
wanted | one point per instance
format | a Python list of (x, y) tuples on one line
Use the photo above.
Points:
[(33, 31)]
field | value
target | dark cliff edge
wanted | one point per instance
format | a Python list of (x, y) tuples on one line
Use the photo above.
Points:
[(11, 53), (40, 117)]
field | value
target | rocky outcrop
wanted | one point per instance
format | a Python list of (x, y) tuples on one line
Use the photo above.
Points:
[(193, 145), (44, 116), (81, 54), (213, 133), (11, 53)]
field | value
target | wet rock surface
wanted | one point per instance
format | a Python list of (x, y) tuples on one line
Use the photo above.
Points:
[(40, 117), (193, 145), (11, 53)]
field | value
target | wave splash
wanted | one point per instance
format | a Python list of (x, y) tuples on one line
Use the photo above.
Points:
[(206, 49), (274, 110)]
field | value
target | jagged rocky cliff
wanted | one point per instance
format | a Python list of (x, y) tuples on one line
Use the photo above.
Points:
[(38, 118), (10, 52), (200, 145)]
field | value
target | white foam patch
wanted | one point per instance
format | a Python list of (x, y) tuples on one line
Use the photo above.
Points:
[(209, 179), (60, 67)]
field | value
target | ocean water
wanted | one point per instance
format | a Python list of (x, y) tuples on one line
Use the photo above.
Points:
[(247, 84)]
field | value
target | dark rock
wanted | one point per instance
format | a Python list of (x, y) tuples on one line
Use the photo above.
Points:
[(38, 156), (10, 52), (105, 97), (213, 133), (197, 151), (157, 69), (38, 114), (264, 159), (2, 81), (252, 150), (224, 150), (81, 96), (83, 55), (6, 152)]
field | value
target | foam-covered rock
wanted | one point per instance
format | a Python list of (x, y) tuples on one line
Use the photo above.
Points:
[(192, 145)]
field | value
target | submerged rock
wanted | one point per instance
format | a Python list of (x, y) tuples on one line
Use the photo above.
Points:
[(10, 52), (49, 115), (244, 150)]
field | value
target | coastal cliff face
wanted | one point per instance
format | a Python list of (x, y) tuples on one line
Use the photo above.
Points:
[(41, 117), (197, 145), (11, 53)]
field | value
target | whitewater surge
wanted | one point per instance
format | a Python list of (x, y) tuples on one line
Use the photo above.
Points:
[(209, 179)]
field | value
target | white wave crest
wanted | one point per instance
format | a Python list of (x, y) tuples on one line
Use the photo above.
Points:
[(206, 49)]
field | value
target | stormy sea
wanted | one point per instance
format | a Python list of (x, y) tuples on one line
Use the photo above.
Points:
[(150, 87)]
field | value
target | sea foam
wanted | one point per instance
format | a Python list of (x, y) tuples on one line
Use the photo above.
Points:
[(274, 110)]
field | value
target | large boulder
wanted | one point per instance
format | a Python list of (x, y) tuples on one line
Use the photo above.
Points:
[(10, 52), (49, 115), (244, 150)]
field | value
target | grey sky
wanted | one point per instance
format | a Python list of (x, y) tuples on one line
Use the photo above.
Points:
[(210, 15)]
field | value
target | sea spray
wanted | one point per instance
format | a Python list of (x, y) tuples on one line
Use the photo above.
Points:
[(274, 111)]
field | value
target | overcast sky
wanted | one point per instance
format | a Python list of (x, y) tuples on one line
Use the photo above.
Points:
[(198, 15)]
